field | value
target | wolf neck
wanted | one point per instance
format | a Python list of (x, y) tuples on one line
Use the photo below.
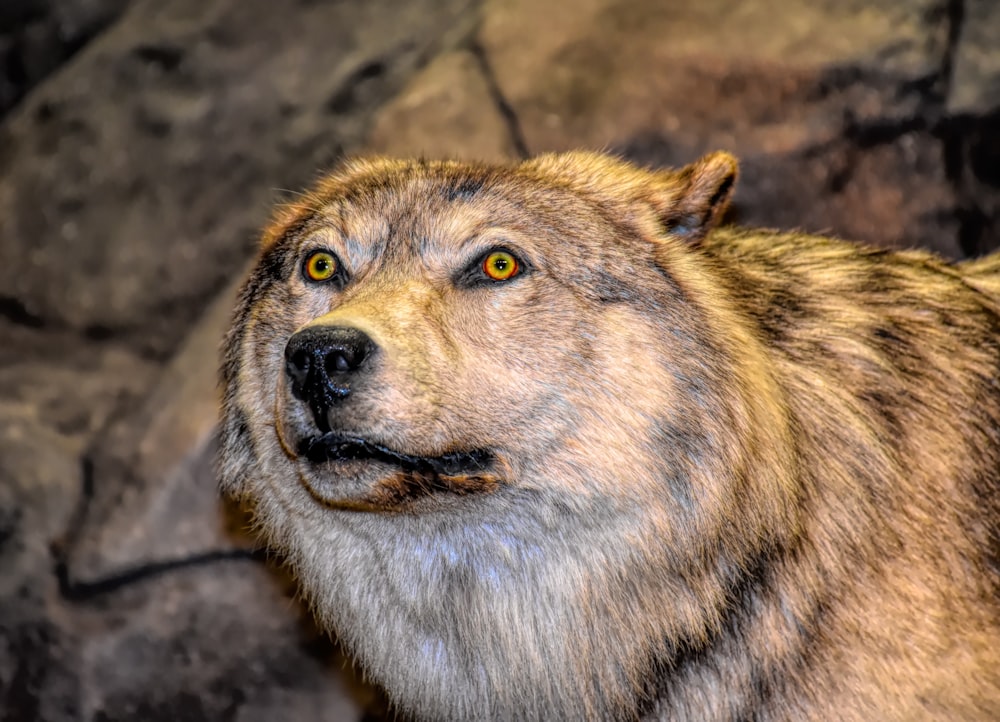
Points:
[(473, 621), (482, 620)]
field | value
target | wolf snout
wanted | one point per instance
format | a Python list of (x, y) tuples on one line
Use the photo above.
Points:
[(321, 362)]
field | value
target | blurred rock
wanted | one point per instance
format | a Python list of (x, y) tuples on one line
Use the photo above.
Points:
[(826, 104), (37, 36), (975, 82), (142, 176), (447, 111), (210, 643), (39, 490), (153, 496), (971, 133), (972, 149), (67, 382)]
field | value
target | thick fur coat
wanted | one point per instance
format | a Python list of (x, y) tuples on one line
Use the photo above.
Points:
[(542, 441)]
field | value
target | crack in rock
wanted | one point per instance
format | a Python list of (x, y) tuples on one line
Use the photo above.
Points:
[(504, 107)]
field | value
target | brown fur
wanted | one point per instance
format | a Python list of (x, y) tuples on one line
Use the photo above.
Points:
[(722, 474)]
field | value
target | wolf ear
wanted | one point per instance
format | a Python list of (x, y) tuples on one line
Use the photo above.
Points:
[(691, 201)]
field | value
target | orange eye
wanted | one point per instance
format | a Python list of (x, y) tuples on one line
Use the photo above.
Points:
[(320, 266), (500, 266)]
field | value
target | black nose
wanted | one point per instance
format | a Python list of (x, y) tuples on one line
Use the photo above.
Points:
[(321, 361)]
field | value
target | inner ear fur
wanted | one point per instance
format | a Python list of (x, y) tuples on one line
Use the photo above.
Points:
[(691, 201)]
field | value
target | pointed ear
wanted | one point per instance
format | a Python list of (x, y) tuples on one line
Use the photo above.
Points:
[(690, 202)]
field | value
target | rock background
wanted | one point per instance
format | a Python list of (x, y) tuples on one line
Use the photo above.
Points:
[(142, 143)]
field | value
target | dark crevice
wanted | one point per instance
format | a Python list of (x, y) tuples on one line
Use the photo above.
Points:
[(882, 131), (15, 15), (347, 96), (971, 154), (930, 91), (842, 173), (955, 18), (81, 591), (129, 338), (503, 106), (950, 133), (75, 590), (969, 150), (963, 141), (16, 312), (98, 332), (163, 56)]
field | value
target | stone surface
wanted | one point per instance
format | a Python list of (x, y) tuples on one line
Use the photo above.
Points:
[(134, 176), (971, 132), (66, 382), (153, 497), (975, 83), (126, 174), (826, 104), (166, 654), (39, 489), (447, 111), (972, 148), (37, 36), (716, 70)]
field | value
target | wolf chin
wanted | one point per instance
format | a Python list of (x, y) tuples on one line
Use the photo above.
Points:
[(546, 441)]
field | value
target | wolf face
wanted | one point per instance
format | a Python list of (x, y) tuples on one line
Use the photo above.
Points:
[(527, 451)]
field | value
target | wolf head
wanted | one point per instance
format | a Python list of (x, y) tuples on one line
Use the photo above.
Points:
[(500, 419)]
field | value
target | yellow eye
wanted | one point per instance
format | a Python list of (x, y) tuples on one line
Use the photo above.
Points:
[(500, 266), (320, 266)]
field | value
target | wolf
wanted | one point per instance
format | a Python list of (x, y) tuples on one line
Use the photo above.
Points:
[(547, 440)]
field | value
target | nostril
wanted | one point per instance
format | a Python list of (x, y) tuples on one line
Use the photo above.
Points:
[(345, 358), (338, 363), (298, 365)]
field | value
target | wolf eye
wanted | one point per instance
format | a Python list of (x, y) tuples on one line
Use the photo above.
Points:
[(500, 265), (320, 266)]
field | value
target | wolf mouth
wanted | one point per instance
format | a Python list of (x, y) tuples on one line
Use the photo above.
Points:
[(418, 479), (333, 446)]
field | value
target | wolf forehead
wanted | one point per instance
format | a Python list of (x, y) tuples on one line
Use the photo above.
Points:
[(374, 201), (578, 196)]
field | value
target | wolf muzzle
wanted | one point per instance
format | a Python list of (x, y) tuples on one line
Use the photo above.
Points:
[(321, 363)]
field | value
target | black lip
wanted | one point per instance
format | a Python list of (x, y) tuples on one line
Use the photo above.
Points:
[(338, 447)]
